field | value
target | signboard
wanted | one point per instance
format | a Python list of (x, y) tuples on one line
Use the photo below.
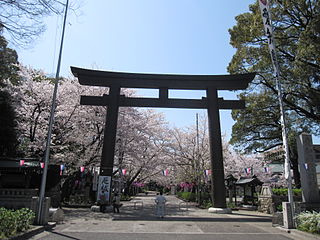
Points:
[(104, 188), (275, 155)]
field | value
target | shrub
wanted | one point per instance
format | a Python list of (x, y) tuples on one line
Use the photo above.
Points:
[(231, 205), (12, 221), (284, 191), (8, 223), (188, 196), (309, 222), (25, 218), (207, 204), (279, 208), (124, 197), (205, 196)]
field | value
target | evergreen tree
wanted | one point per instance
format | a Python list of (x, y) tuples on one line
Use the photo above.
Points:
[(8, 72), (297, 32)]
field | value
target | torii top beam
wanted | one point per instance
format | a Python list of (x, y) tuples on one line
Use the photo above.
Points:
[(170, 81)]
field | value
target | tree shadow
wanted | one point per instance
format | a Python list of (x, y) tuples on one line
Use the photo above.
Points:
[(174, 213)]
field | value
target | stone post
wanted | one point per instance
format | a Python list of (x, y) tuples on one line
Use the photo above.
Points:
[(288, 222), (306, 159)]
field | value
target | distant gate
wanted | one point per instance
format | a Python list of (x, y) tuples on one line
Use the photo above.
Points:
[(163, 82)]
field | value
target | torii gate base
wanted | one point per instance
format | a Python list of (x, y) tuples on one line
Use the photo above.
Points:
[(117, 80)]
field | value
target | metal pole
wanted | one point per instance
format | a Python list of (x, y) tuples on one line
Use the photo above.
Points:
[(264, 7), (53, 106), (198, 162)]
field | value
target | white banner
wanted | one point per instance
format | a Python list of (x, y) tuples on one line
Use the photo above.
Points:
[(104, 188), (267, 23)]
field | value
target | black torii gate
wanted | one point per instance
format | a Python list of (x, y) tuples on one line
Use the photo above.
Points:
[(163, 82)]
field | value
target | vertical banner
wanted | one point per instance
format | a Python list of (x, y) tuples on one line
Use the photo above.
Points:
[(165, 172), (104, 188), (61, 169), (267, 23), (265, 13), (247, 171)]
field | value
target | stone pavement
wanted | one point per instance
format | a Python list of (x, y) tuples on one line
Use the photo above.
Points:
[(137, 220)]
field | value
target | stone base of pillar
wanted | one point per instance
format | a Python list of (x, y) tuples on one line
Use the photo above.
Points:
[(95, 208), (220, 210), (104, 208)]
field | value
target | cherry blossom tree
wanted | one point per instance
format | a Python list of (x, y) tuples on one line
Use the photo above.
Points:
[(145, 145), (192, 159), (77, 135), (31, 103), (142, 143), (189, 153)]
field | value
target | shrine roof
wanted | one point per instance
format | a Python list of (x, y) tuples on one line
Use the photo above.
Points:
[(249, 181)]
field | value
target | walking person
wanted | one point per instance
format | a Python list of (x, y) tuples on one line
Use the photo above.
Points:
[(116, 203), (160, 201)]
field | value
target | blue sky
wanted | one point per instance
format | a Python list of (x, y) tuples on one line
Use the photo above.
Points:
[(145, 36)]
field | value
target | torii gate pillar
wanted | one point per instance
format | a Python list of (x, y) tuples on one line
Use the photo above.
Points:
[(110, 132), (217, 170)]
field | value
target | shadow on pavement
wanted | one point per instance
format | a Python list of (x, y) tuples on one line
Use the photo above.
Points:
[(64, 235), (191, 219)]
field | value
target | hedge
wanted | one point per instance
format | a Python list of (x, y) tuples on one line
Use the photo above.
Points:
[(14, 221), (188, 196), (284, 191)]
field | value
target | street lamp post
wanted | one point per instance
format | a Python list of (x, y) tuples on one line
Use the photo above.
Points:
[(51, 119)]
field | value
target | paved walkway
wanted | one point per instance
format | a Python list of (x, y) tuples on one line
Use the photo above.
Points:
[(137, 220)]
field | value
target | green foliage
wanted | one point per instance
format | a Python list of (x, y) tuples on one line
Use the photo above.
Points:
[(12, 222), (8, 224), (231, 205), (8, 62), (284, 191), (296, 32), (258, 126), (206, 204), (279, 208), (8, 136), (25, 218), (188, 196), (125, 197), (309, 222), (8, 71), (205, 196)]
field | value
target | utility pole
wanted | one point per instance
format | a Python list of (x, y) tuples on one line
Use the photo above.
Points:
[(51, 119)]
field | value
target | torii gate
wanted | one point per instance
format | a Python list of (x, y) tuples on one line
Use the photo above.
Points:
[(163, 82)]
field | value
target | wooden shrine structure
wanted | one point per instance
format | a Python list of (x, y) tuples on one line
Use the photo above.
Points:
[(163, 82)]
